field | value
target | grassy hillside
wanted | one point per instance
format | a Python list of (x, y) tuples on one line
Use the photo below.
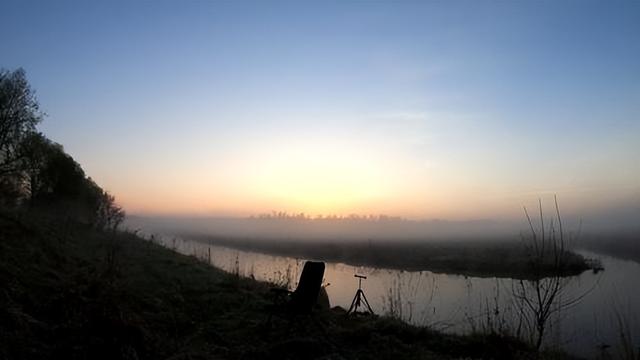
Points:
[(69, 291)]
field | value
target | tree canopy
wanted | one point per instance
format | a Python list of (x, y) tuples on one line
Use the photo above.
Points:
[(19, 115), (37, 172)]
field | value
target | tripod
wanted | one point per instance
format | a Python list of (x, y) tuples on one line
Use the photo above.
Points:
[(359, 299)]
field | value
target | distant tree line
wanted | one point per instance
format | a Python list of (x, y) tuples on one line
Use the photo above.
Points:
[(283, 215), (35, 172)]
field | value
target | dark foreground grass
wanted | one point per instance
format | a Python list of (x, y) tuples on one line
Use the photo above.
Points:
[(70, 292)]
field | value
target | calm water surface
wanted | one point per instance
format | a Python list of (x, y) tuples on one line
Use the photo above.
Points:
[(457, 303)]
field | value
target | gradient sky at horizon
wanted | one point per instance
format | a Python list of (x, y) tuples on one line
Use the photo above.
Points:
[(460, 110)]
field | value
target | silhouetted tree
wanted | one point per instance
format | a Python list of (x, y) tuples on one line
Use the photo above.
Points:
[(56, 179), (37, 170), (37, 151), (107, 215), (59, 178), (19, 114)]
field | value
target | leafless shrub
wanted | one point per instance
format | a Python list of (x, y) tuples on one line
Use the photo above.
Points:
[(545, 294)]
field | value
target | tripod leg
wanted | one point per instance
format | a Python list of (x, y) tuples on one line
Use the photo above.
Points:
[(366, 302), (353, 304)]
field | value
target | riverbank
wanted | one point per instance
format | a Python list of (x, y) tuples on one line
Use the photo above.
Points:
[(72, 292)]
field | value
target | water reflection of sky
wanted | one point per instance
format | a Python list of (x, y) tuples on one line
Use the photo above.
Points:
[(453, 302)]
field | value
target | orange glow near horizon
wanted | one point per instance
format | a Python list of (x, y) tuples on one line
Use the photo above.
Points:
[(300, 177), (325, 175), (318, 179)]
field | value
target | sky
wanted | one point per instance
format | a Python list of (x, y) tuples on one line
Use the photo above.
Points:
[(443, 109)]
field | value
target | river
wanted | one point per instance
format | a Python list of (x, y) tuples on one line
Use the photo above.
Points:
[(460, 304)]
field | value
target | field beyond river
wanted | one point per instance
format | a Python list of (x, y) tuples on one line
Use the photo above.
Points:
[(470, 248), (479, 258)]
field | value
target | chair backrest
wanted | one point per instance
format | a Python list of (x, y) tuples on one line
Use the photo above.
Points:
[(306, 294)]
